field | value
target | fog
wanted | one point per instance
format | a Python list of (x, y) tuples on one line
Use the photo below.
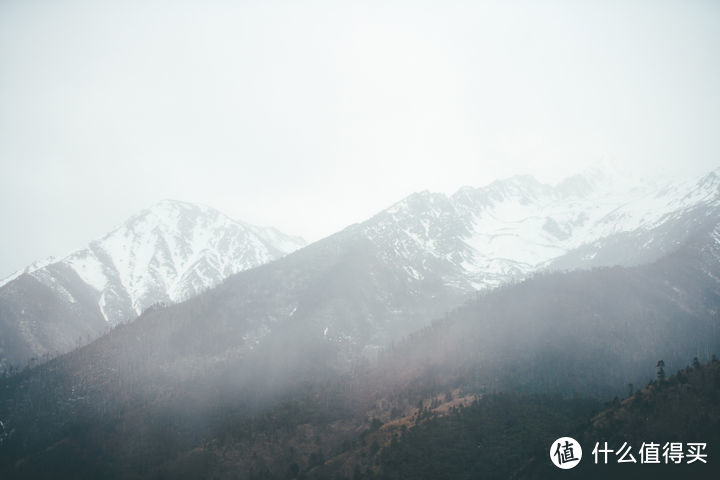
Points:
[(450, 336), (311, 116)]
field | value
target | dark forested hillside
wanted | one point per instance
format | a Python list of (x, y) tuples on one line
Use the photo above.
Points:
[(684, 408), (203, 384), (509, 435)]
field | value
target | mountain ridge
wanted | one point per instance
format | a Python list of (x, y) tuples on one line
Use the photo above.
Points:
[(163, 254), (188, 379), (511, 228), (402, 267)]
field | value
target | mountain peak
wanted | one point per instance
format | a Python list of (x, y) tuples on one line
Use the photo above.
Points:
[(165, 253), (170, 211), (711, 179), (575, 186)]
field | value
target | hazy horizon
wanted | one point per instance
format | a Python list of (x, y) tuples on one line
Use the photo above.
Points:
[(311, 117), (602, 168)]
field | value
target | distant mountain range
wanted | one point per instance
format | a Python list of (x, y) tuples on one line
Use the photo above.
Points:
[(485, 237), (436, 299), (366, 285), (164, 254)]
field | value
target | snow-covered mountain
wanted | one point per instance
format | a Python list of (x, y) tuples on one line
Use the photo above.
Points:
[(389, 276), (349, 295), (164, 254), (366, 285), (485, 237), (282, 330)]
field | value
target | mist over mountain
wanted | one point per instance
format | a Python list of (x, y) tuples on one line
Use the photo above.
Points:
[(589, 332), (165, 254), (487, 226), (437, 297), (574, 333), (324, 326), (373, 282)]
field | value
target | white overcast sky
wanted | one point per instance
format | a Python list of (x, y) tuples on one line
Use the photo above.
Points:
[(310, 116)]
